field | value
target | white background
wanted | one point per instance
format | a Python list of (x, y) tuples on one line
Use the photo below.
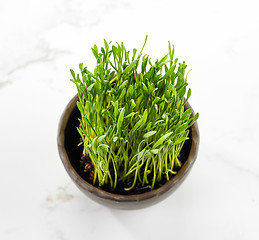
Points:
[(41, 40)]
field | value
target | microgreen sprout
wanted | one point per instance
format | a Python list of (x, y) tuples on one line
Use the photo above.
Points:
[(133, 122)]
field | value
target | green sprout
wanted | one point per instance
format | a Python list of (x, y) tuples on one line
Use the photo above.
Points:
[(133, 123)]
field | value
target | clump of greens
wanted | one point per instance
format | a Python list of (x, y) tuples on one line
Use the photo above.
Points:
[(133, 121)]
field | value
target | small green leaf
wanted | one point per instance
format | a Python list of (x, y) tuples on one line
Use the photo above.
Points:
[(155, 151), (123, 93), (195, 117), (144, 117), (106, 45), (114, 51), (115, 139), (73, 74), (80, 108), (162, 139), (189, 94), (122, 86), (169, 72), (89, 88), (144, 87), (156, 107), (181, 128), (149, 134), (186, 115), (130, 92), (134, 53), (130, 115), (101, 138), (162, 61), (179, 140), (81, 66), (159, 121), (95, 53), (130, 67), (120, 120), (104, 146), (140, 123), (132, 104)]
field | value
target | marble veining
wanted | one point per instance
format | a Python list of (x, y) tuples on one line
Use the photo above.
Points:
[(41, 40)]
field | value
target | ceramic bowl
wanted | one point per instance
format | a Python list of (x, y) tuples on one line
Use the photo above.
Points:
[(70, 155)]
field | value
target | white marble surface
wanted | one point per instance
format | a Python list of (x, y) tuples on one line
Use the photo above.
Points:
[(41, 40)]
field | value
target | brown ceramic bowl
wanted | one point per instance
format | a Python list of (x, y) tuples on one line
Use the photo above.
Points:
[(70, 155)]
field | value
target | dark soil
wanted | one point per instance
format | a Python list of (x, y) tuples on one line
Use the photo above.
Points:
[(83, 165)]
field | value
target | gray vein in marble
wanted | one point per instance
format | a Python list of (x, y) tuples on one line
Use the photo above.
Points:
[(218, 157), (48, 55), (245, 170), (28, 63)]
